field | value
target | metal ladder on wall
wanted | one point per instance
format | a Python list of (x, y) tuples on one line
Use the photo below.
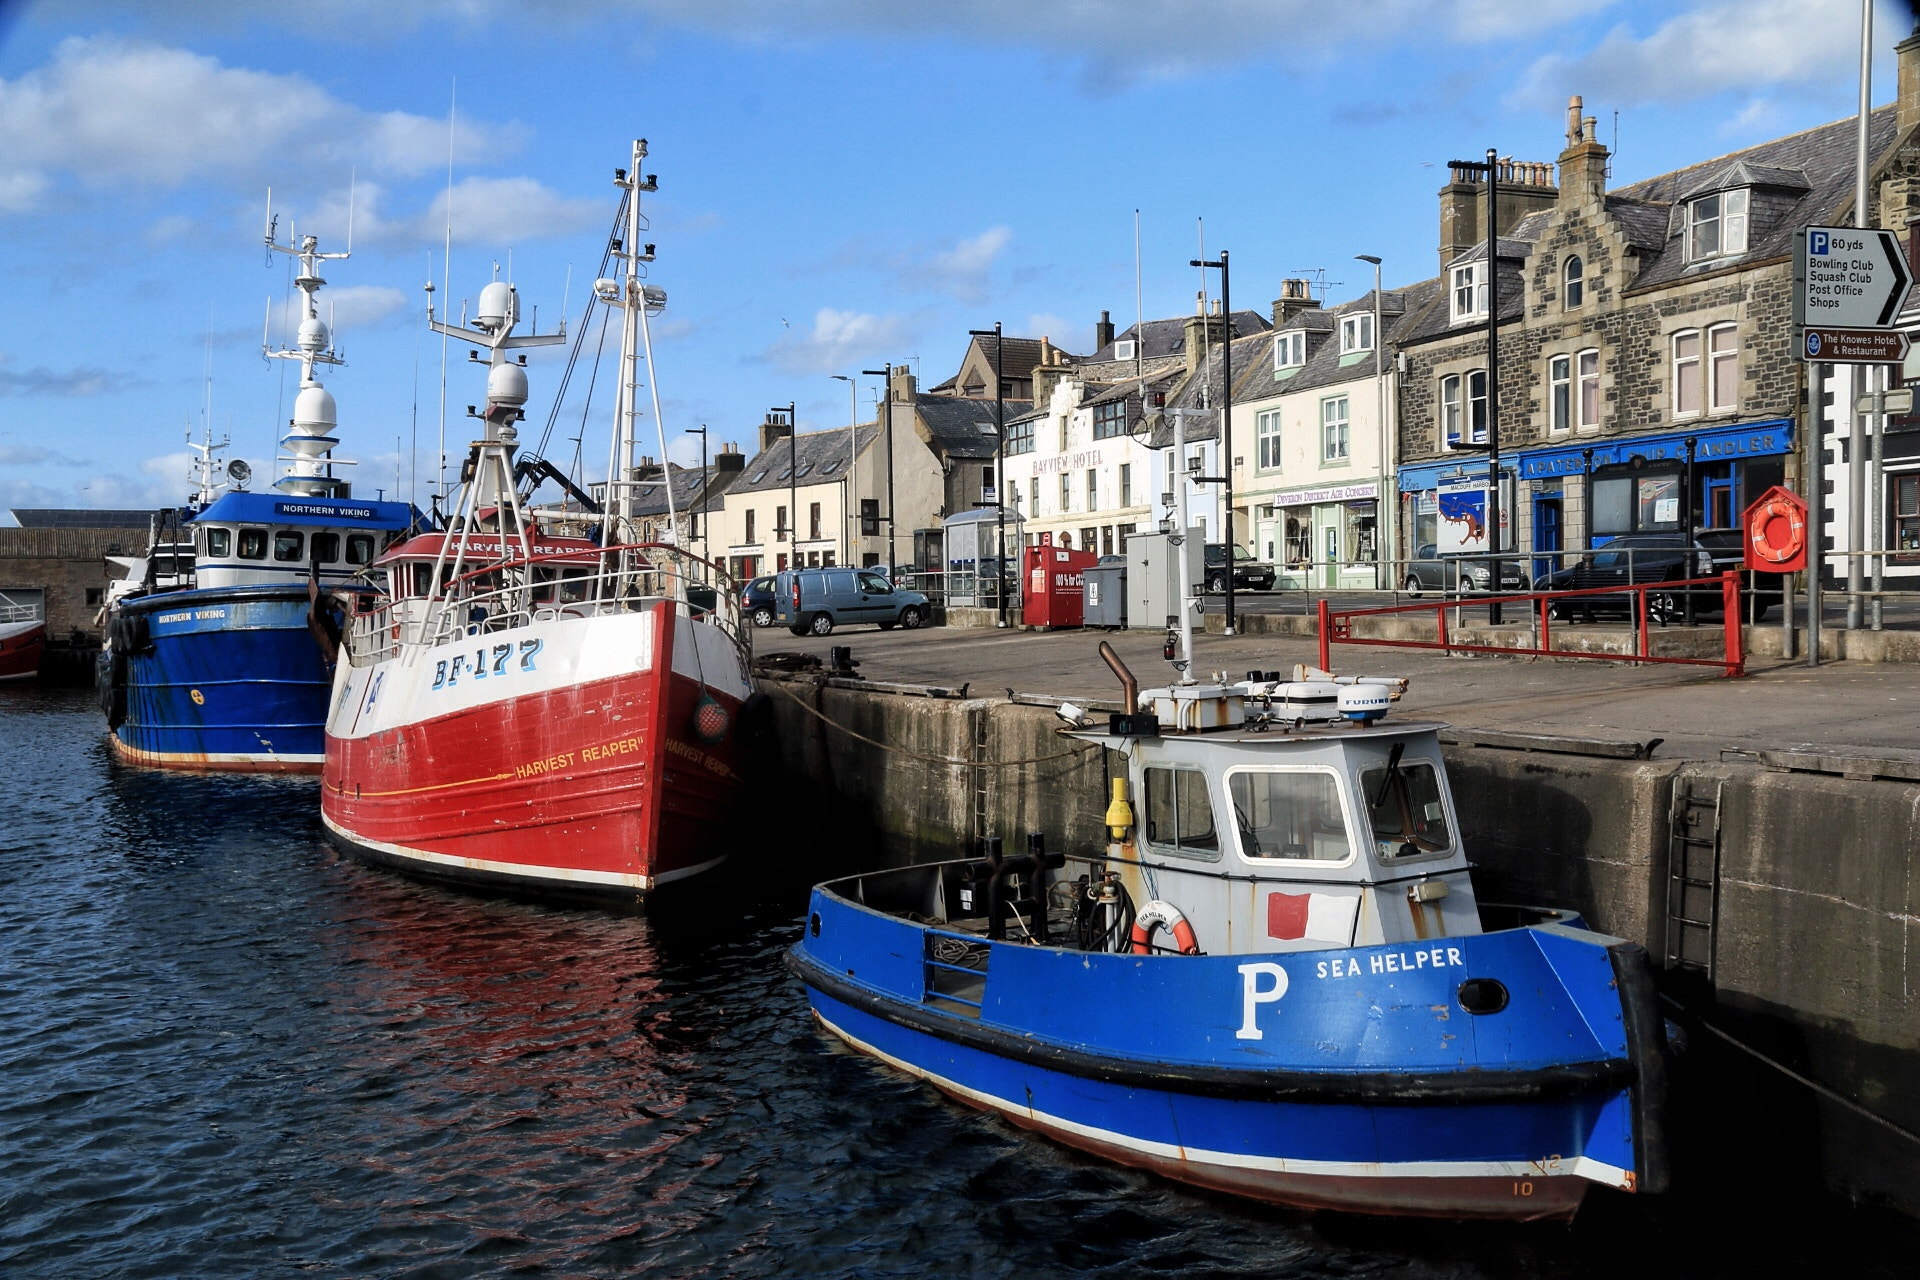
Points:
[(982, 781), (1693, 876)]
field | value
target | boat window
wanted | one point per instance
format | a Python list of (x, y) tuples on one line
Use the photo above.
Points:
[(326, 547), (219, 540), (1289, 815), (287, 545), (253, 544), (542, 585), (1179, 812), (359, 548), (1409, 817), (422, 578), (574, 583)]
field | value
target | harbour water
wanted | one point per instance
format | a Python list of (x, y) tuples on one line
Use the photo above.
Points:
[(229, 1052)]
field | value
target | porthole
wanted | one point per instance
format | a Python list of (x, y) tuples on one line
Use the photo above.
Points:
[(813, 924), (1483, 995)]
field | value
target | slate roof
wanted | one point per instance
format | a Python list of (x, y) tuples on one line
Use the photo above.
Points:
[(1018, 355), (1822, 158), (955, 424), (1210, 376), (687, 485), (1169, 337), (1399, 309), (820, 457), (80, 518), (1436, 321)]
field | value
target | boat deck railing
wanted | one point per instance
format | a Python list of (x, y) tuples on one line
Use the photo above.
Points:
[(13, 611), (510, 594)]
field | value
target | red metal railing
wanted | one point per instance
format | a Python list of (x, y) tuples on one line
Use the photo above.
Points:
[(1336, 624)]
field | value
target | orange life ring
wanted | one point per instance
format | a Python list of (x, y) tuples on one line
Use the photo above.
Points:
[(1778, 530), (1158, 915)]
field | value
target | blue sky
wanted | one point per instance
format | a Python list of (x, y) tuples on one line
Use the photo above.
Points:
[(842, 183)]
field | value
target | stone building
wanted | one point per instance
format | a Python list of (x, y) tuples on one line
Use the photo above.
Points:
[(1647, 375), (56, 560)]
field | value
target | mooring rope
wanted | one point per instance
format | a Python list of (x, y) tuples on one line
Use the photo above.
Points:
[(919, 755), (1825, 1091)]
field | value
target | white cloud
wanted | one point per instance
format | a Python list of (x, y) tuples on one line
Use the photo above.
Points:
[(1060, 331), (507, 211), (1744, 47), (839, 340), (41, 381), (962, 268), (107, 110), (355, 306)]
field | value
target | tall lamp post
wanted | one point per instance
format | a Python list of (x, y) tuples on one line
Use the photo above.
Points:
[(1226, 417), (999, 463), (893, 568), (1382, 533), (853, 458), (1490, 168), (700, 431)]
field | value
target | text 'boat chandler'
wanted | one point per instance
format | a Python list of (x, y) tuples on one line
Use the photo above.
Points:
[(1274, 979), (533, 700)]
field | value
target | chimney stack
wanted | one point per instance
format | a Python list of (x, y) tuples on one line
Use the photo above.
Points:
[(1907, 78), (729, 459), (777, 427), (1102, 333), (1202, 331), (1583, 165), (1295, 296)]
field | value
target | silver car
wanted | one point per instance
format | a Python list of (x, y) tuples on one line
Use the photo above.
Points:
[(1431, 571)]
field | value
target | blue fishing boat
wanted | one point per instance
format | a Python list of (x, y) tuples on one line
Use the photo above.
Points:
[(219, 651), (1274, 979)]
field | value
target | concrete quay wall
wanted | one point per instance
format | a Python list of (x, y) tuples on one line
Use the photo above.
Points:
[(1815, 905)]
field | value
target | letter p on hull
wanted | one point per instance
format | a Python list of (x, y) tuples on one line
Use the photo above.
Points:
[(1252, 995)]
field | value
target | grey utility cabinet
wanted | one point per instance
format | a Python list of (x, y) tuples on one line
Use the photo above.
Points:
[(1106, 598), (1154, 587)]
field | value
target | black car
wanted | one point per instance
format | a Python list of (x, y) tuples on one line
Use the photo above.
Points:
[(1248, 573), (1639, 558), (756, 601)]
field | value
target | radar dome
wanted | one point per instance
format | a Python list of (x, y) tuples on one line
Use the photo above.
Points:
[(314, 407), (507, 385), (496, 305), (313, 334)]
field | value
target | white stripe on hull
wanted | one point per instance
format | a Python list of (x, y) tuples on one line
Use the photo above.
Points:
[(521, 870), (1580, 1166)]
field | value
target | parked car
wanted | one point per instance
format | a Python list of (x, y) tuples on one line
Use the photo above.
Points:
[(815, 601), (756, 601), (1636, 558), (1248, 573), (1431, 571)]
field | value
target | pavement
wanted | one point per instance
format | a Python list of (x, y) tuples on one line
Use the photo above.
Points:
[(1778, 706)]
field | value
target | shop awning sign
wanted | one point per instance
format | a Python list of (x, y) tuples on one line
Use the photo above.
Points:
[(1848, 278)]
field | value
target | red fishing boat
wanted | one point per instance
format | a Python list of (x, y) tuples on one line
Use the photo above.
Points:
[(23, 638), (531, 699)]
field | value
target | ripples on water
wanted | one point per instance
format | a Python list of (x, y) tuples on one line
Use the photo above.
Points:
[(227, 1052)]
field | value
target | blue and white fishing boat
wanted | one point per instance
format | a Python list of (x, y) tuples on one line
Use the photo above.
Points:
[(1273, 980), (220, 655)]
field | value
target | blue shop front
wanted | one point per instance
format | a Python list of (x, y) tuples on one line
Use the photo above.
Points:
[(1584, 493)]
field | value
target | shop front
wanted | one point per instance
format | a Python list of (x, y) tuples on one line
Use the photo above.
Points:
[(1643, 484), (1420, 513), (1327, 537)]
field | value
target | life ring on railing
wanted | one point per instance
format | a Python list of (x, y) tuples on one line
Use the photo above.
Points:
[(1778, 529), (1158, 915)]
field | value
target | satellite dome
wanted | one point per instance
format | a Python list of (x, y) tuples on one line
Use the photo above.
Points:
[(507, 385), (496, 306), (314, 407), (313, 334)]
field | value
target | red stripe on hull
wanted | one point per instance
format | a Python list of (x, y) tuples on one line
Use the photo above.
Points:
[(20, 653), (598, 784)]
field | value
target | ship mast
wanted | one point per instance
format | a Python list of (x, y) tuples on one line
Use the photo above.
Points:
[(309, 441), (638, 301)]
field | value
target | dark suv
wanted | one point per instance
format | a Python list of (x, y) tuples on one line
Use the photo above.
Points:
[(1637, 558), (1248, 573), (756, 601)]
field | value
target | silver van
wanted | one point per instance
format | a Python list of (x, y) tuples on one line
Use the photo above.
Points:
[(815, 601)]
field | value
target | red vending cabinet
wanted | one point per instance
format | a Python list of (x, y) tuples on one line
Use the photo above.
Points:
[(1053, 589)]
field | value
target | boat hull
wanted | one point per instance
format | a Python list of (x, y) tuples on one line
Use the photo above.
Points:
[(571, 768), (228, 679), (1352, 1079), (21, 646)]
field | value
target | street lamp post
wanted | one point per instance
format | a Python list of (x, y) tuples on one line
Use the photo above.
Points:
[(999, 463), (700, 431), (1491, 168), (1382, 528), (793, 480), (853, 459), (886, 387), (1226, 418)]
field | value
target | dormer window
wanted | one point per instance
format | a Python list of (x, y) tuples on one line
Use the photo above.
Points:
[(1574, 290), (1123, 349), (1356, 333), (1717, 225), (1469, 292), (1289, 350)]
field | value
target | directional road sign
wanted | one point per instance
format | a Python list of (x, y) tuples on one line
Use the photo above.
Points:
[(1849, 278), (1853, 346)]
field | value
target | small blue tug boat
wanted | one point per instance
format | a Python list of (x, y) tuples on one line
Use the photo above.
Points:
[(1274, 980)]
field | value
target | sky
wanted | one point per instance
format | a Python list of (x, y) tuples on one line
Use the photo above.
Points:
[(842, 184)]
